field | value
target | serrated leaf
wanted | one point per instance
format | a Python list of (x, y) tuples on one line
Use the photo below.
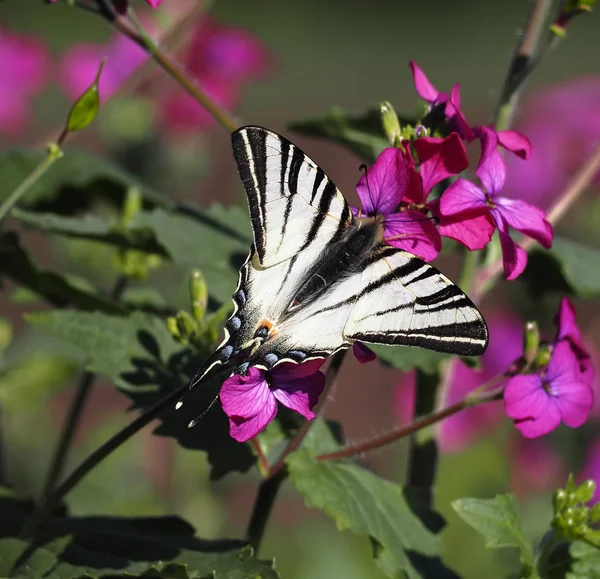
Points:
[(363, 134), (102, 547), (568, 267), (498, 521), (405, 532), (406, 359), (16, 264), (585, 561), (76, 169), (140, 356)]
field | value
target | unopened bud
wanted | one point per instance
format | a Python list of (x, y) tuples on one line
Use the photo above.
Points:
[(132, 205), (198, 295), (595, 513), (172, 327), (559, 500), (390, 122), (85, 109), (542, 358), (186, 325), (585, 491), (531, 341)]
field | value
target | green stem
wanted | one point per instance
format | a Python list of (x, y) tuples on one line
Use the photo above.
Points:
[(74, 414), (54, 153), (227, 121), (263, 505)]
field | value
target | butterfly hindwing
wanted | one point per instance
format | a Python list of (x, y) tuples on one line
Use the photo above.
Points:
[(407, 302), (293, 204)]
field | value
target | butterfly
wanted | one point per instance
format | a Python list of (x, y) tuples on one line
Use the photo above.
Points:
[(318, 279)]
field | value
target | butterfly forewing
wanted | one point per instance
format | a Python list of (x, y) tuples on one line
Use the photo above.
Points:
[(293, 204)]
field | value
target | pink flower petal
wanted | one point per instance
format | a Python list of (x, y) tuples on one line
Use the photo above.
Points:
[(463, 196), (413, 232), (362, 353), (525, 397), (249, 404), (289, 371), (514, 258), (515, 142), (562, 368), (472, 228), (300, 394), (491, 169), (456, 117), (526, 218), (422, 85), (567, 329), (440, 158), (382, 188), (575, 401), (154, 3), (542, 425)]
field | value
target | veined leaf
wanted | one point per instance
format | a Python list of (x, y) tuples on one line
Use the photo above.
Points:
[(363, 134), (96, 547), (498, 521), (16, 264), (404, 532), (139, 355), (406, 359), (585, 561)]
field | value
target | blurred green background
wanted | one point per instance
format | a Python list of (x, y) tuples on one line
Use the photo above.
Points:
[(324, 53)]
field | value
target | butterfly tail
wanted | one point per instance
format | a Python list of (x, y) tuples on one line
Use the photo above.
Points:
[(220, 356)]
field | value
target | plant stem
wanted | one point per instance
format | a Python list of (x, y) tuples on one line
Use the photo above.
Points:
[(74, 414), (263, 505), (473, 399), (227, 121), (332, 371), (54, 153), (522, 64), (47, 508)]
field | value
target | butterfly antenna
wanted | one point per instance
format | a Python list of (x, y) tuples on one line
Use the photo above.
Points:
[(365, 169), (195, 421), (433, 218), (221, 356)]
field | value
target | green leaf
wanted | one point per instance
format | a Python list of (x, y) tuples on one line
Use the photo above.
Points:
[(568, 267), (76, 169), (17, 264), (498, 521), (404, 532), (85, 108), (96, 547), (585, 561), (139, 355), (406, 359), (362, 134)]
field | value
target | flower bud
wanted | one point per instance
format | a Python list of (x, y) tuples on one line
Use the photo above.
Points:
[(585, 491), (85, 109), (595, 513), (172, 327), (531, 341), (198, 295), (559, 500), (542, 359), (186, 325), (132, 205), (390, 122)]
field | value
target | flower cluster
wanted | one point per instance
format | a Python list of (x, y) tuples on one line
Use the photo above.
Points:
[(556, 390)]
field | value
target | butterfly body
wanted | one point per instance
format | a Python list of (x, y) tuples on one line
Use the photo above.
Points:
[(318, 279)]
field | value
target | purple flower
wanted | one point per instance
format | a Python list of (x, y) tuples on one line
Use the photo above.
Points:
[(568, 330), (250, 401), (464, 197), (396, 192), (363, 353), (539, 402), (24, 71)]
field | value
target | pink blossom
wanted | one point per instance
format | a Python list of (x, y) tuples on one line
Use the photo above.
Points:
[(568, 330), (394, 190), (363, 353), (24, 71), (465, 198), (79, 65), (250, 401), (539, 402), (154, 3)]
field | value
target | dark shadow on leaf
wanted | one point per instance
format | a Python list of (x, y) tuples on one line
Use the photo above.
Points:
[(430, 567), (416, 499), (199, 215), (211, 434)]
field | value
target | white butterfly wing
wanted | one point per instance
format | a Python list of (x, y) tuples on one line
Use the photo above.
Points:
[(293, 205)]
